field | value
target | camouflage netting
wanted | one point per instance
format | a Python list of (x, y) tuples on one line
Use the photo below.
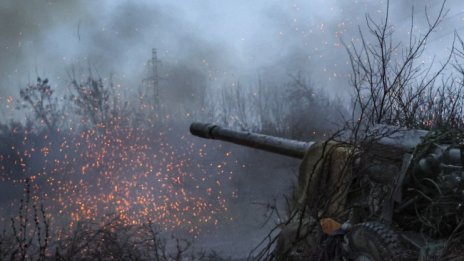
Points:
[(433, 201)]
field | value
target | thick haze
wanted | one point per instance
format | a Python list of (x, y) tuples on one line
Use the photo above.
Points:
[(207, 45), (225, 41)]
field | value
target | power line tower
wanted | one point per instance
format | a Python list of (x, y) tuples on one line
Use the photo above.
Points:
[(151, 82), (155, 76)]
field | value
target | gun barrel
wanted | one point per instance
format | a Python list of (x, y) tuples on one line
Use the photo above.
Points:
[(287, 147)]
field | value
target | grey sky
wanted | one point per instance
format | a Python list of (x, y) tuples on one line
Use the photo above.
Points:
[(226, 40)]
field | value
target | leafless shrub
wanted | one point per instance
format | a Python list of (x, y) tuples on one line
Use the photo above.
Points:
[(114, 240), (30, 239), (30, 230)]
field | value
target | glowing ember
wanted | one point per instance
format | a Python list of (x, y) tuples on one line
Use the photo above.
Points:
[(134, 173)]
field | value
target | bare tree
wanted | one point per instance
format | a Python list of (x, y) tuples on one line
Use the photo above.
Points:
[(236, 106), (92, 99), (39, 97), (390, 88)]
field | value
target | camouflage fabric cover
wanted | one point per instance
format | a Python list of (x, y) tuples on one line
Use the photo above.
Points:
[(323, 183), (324, 179)]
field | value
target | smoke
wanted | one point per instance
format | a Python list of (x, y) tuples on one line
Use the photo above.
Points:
[(24, 27), (224, 41), (203, 46)]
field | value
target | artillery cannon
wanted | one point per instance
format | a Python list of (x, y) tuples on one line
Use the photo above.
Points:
[(402, 197), (287, 147)]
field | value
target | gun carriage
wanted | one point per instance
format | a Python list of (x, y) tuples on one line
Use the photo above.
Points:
[(401, 197)]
